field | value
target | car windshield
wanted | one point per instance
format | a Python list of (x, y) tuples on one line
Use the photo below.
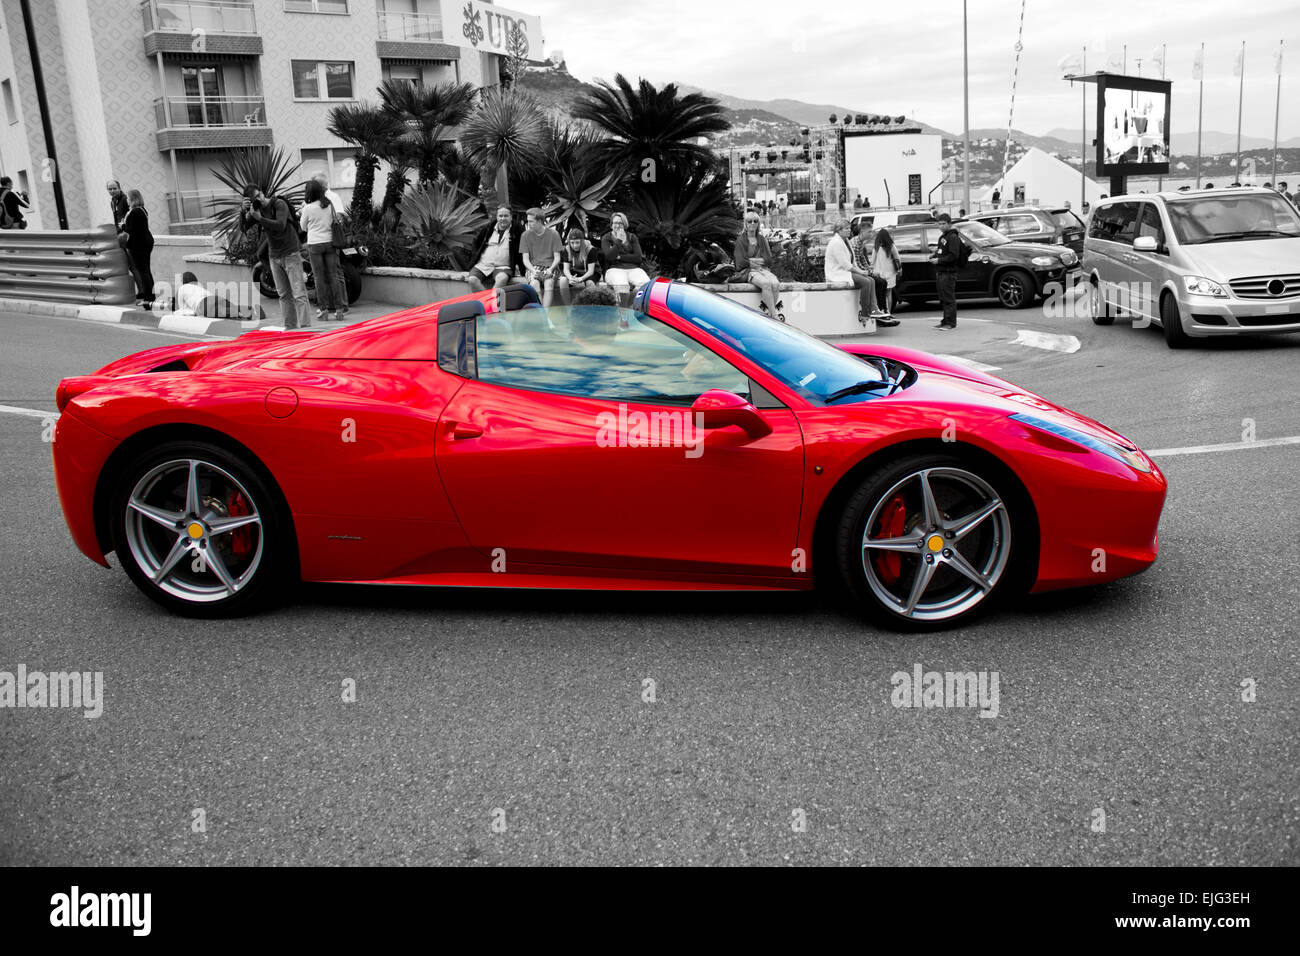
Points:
[(1232, 217), (818, 371), (981, 234), (1066, 219)]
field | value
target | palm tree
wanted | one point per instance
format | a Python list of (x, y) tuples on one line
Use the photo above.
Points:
[(684, 208), (644, 123), (369, 129), (441, 222), (577, 180), (505, 131), (427, 113), (269, 170)]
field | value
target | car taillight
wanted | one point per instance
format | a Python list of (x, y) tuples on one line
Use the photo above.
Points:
[(70, 388)]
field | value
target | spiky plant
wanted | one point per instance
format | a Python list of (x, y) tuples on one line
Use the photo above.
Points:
[(644, 123), (684, 208), (441, 222), (370, 130), (427, 115), (504, 131), (269, 170)]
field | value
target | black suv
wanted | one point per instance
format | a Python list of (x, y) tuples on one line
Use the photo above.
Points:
[(1015, 273), (1056, 226)]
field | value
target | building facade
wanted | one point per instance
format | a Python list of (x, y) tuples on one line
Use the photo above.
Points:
[(152, 92)]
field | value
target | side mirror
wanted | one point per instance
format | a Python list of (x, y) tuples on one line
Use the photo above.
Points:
[(1145, 244), (717, 408)]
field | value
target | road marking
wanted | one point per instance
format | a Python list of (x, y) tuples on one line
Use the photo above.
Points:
[(1052, 341), (970, 363), (29, 412), (1227, 446)]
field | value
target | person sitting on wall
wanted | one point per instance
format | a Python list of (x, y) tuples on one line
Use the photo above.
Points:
[(497, 259)]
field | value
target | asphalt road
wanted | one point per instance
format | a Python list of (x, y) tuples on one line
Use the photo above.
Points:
[(477, 708)]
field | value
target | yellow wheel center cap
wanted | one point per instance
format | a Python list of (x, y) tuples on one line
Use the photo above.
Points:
[(935, 542), (195, 530)]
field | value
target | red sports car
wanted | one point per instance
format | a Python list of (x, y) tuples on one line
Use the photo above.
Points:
[(686, 442)]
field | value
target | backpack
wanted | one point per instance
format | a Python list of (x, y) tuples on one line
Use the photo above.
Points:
[(6, 220), (963, 252)]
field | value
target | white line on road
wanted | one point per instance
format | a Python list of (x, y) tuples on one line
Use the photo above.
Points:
[(970, 363), (29, 412), (1227, 446), (1052, 341)]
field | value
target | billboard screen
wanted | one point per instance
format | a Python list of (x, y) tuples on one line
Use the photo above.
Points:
[(1133, 124)]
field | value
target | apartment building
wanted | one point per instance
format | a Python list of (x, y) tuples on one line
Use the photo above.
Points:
[(152, 92)]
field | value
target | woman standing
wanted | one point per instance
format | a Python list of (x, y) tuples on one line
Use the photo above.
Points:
[(317, 220), (752, 255), (11, 206), (885, 266), (137, 240), (621, 251)]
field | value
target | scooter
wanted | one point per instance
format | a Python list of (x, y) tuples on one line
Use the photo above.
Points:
[(353, 260)]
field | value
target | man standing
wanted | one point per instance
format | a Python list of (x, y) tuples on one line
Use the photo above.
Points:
[(540, 249), (117, 202), (285, 255), (947, 261), (339, 210), (495, 265)]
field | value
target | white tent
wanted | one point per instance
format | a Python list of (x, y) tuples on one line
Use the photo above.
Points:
[(1046, 180)]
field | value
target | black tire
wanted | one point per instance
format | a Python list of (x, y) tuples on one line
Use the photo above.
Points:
[(1171, 321), (259, 560), (266, 284), (1015, 289), (1098, 306), (352, 281), (997, 548)]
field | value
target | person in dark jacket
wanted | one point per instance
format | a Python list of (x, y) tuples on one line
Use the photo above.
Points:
[(497, 260), (621, 251), (137, 240), (947, 262), (117, 202), (14, 204), (284, 251)]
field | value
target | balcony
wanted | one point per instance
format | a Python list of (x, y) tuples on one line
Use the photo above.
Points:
[(193, 122), (413, 36), (200, 26)]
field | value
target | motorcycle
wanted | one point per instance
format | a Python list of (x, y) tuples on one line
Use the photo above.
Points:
[(352, 258)]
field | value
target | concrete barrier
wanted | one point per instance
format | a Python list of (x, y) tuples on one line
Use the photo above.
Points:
[(818, 308), (84, 267)]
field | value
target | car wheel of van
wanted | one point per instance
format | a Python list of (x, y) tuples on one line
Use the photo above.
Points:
[(928, 542), (1015, 289), (1101, 314), (1171, 320), (199, 531)]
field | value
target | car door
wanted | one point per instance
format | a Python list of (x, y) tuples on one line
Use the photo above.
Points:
[(562, 454), (917, 278), (1110, 239), (1148, 268)]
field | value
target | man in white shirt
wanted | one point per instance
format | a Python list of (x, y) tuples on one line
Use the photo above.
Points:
[(840, 267), (494, 267)]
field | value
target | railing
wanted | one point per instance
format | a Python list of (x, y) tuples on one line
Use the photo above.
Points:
[(420, 27), (211, 16), (191, 205), (82, 266), (188, 112)]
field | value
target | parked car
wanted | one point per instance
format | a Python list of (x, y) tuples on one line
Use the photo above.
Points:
[(1198, 264), (1056, 226), (889, 218), (216, 473), (1015, 273)]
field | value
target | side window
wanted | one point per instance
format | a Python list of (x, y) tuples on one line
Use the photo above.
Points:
[(600, 352), (1114, 222), (1128, 222), (1019, 225), (993, 222), (909, 241), (1149, 223)]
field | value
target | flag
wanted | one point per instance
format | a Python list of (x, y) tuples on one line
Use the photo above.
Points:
[(1071, 65), (1158, 58), (1115, 61), (1198, 65), (1277, 59), (1239, 64)]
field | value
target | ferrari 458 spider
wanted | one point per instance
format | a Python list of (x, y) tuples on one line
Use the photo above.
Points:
[(686, 442)]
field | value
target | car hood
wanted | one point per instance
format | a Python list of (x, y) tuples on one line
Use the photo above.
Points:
[(1225, 261), (1027, 250)]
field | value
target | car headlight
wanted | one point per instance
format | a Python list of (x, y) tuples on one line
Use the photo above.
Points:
[(1044, 262), (1129, 456), (1069, 258), (1199, 285)]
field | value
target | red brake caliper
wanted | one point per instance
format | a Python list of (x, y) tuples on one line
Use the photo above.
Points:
[(893, 519), (241, 539)]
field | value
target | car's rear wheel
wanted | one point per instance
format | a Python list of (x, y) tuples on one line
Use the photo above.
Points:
[(1171, 320), (1015, 289), (199, 531), (929, 541), (1097, 305)]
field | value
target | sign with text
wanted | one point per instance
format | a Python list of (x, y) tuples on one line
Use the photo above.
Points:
[(914, 189), (491, 29)]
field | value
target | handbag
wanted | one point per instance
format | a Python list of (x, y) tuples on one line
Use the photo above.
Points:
[(337, 239)]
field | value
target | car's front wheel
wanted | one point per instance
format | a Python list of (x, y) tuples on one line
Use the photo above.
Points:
[(1097, 305), (929, 541), (199, 531), (1015, 289), (1171, 321)]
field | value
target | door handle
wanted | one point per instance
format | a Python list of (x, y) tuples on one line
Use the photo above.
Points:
[(461, 431)]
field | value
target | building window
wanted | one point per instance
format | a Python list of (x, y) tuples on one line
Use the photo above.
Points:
[(11, 111), (316, 6), (398, 72), (339, 164), (322, 80)]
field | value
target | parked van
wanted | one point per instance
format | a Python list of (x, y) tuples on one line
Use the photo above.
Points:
[(1198, 264)]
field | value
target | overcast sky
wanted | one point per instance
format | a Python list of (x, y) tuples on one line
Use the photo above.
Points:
[(899, 57)]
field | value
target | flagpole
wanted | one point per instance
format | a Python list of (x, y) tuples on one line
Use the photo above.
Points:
[(1083, 133), (1200, 114), (1277, 111), (965, 106), (1164, 52), (1241, 100)]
